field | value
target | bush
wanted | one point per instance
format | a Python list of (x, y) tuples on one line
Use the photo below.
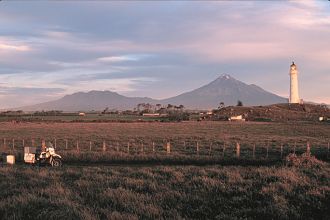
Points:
[(304, 160), (178, 116)]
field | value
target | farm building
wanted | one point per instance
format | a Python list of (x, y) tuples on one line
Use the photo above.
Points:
[(206, 113), (151, 114), (236, 118), (324, 119), (82, 114)]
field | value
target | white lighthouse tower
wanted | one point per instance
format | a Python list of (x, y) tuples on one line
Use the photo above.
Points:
[(294, 93)]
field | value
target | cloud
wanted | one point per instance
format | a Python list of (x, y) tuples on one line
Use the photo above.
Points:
[(29, 90), (12, 45), (113, 59), (20, 96), (21, 48), (160, 49), (58, 34), (306, 15)]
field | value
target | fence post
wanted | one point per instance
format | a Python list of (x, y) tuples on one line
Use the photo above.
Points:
[(66, 144), (77, 145), (281, 151), (104, 146), (184, 145), (90, 145), (197, 147), (328, 150), (117, 146), (224, 149), (4, 143), (308, 149), (23, 143), (43, 145), (13, 144), (153, 147), (254, 151), (55, 143), (168, 147), (210, 149), (267, 148), (238, 150), (127, 147)]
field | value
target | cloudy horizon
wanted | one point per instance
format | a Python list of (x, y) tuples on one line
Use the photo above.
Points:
[(160, 49)]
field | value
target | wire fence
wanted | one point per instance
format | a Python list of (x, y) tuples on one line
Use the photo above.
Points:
[(185, 146)]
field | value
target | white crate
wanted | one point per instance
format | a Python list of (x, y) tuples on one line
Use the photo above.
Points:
[(10, 159)]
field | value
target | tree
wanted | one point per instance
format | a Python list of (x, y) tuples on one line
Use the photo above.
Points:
[(148, 107), (169, 107), (139, 106), (105, 110), (239, 103), (178, 116), (221, 105), (158, 106)]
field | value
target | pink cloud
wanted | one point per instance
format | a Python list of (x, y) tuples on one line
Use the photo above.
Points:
[(7, 45)]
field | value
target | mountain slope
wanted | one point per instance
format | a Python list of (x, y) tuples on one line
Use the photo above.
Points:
[(224, 89), (228, 90), (93, 100)]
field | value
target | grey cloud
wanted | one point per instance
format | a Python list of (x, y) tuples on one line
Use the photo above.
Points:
[(11, 97), (190, 42), (29, 91)]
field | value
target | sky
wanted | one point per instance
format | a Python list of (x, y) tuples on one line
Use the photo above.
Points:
[(160, 49)]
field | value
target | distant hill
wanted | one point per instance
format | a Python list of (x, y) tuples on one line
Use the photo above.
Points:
[(93, 100), (224, 89), (228, 90)]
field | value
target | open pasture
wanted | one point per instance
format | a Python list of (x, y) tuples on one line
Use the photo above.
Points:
[(154, 141), (135, 186)]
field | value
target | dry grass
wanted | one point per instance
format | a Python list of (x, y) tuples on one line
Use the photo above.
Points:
[(165, 192), (304, 160), (147, 191), (182, 136), (248, 131)]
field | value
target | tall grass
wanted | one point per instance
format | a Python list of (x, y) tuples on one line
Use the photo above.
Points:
[(214, 192)]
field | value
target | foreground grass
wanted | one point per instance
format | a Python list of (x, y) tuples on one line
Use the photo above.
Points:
[(192, 192)]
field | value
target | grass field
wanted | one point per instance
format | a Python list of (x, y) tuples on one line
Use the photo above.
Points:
[(74, 117), (253, 131), (212, 192), (192, 139), (142, 184)]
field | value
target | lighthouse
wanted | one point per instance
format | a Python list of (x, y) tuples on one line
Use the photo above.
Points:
[(294, 93)]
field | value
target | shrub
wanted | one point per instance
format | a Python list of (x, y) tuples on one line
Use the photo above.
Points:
[(304, 160), (178, 116)]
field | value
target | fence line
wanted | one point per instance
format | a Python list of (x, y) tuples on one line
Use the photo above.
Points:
[(224, 148)]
